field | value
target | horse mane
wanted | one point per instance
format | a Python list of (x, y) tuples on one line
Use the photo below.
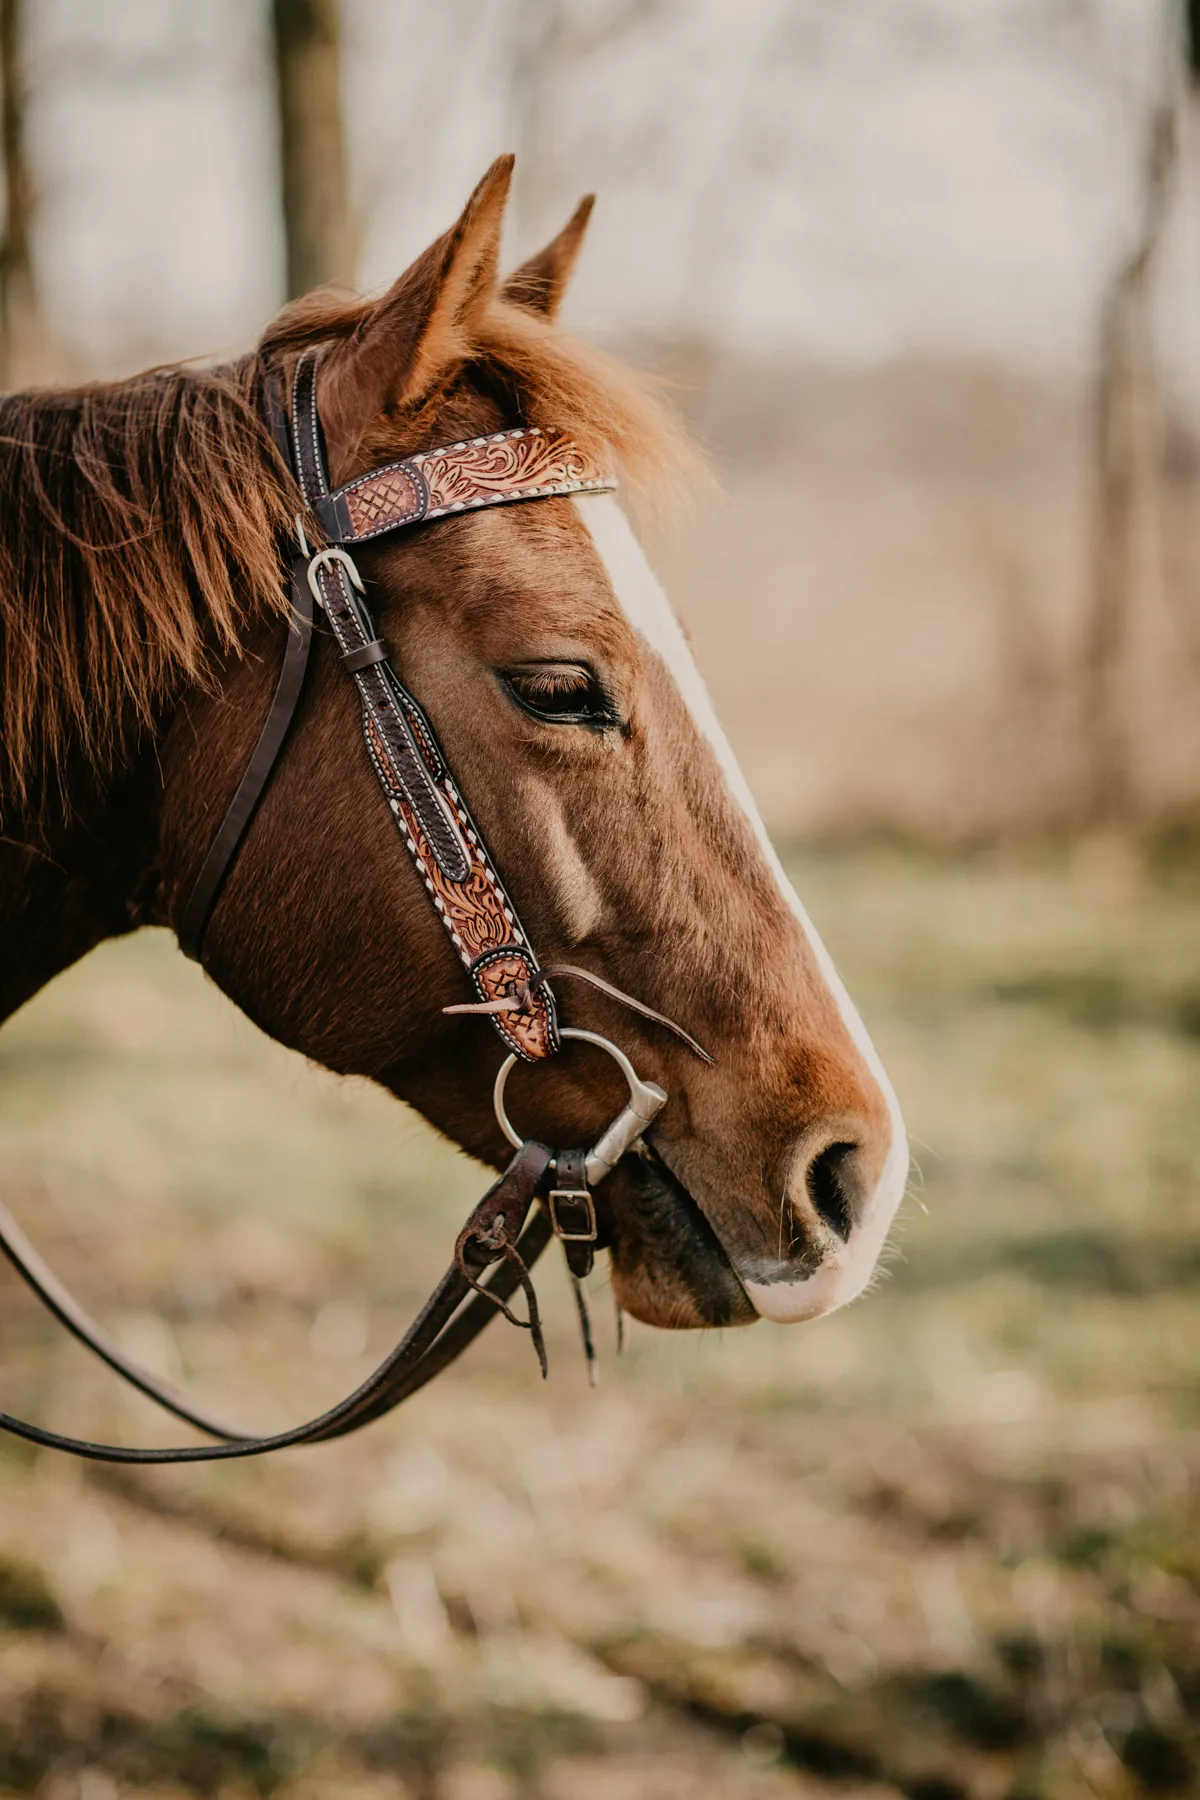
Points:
[(138, 536), (141, 522)]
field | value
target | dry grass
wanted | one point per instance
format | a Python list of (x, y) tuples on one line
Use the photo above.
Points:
[(942, 1545)]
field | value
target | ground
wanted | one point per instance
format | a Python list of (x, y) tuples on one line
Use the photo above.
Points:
[(944, 1544)]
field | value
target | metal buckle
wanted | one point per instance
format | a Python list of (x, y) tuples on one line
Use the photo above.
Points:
[(646, 1101), (576, 1196), (325, 559)]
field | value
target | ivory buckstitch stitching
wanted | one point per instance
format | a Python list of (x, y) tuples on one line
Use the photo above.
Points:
[(371, 505)]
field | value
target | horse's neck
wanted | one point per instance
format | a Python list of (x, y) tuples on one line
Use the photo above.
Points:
[(66, 887)]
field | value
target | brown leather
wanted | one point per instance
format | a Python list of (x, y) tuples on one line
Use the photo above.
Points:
[(239, 816), (438, 830), (512, 995), (526, 464), (466, 891), (374, 652), (494, 1229), (573, 1211)]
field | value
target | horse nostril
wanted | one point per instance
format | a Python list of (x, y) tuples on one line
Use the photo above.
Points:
[(831, 1187)]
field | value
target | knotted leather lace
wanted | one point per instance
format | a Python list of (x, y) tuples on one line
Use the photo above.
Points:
[(522, 993)]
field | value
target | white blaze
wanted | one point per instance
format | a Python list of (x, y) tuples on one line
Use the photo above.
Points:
[(846, 1272)]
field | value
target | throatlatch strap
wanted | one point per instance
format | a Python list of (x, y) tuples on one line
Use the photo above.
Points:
[(432, 816), (267, 751), (259, 769)]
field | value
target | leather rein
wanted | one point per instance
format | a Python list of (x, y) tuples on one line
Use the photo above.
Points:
[(504, 1234)]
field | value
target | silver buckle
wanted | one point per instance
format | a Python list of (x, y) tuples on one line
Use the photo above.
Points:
[(575, 1195), (325, 559)]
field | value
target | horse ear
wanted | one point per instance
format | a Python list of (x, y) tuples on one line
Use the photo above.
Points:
[(539, 284), (422, 323)]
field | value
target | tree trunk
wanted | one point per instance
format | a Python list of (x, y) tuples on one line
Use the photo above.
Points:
[(16, 261), (1123, 380), (312, 148)]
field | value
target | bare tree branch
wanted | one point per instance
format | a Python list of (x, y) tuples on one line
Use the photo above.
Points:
[(16, 254), (312, 148), (1124, 370)]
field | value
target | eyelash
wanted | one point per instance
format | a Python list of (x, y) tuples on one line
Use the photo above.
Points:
[(560, 694)]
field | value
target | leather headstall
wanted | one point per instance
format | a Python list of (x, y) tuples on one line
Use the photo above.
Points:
[(433, 819), (452, 859)]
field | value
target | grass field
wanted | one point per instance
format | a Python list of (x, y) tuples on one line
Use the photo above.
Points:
[(944, 1544)]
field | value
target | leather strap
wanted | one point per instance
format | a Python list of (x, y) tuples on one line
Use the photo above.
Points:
[(468, 895), (242, 808), (58, 1299), (494, 1229), (387, 721), (527, 464), (572, 1211), (439, 832), (432, 816), (375, 652)]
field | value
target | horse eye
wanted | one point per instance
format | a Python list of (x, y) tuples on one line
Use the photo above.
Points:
[(560, 693)]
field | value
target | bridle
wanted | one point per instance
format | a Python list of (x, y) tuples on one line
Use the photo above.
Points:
[(503, 1233)]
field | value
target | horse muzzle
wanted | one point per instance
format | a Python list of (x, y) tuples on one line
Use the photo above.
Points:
[(669, 1266)]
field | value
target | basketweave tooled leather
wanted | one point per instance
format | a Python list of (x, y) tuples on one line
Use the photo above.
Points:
[(433, 819)]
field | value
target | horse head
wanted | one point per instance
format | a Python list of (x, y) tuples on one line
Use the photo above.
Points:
[(564, 694)]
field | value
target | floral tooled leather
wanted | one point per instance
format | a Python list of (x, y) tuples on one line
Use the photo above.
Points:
[(457, 872), (501, 468), (478, 917), (503, 974), (509, 465)]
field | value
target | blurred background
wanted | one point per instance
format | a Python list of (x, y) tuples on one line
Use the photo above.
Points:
[(926, 278)]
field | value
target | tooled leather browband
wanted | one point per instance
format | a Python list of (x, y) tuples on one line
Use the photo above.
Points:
[(433, 818), (527, 464)]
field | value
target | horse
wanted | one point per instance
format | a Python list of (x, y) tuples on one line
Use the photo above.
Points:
[(143, 605)]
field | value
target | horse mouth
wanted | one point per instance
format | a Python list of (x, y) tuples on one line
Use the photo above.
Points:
[(669, 1266)]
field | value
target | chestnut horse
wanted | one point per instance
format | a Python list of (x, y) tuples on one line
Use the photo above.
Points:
[(141, 607)]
